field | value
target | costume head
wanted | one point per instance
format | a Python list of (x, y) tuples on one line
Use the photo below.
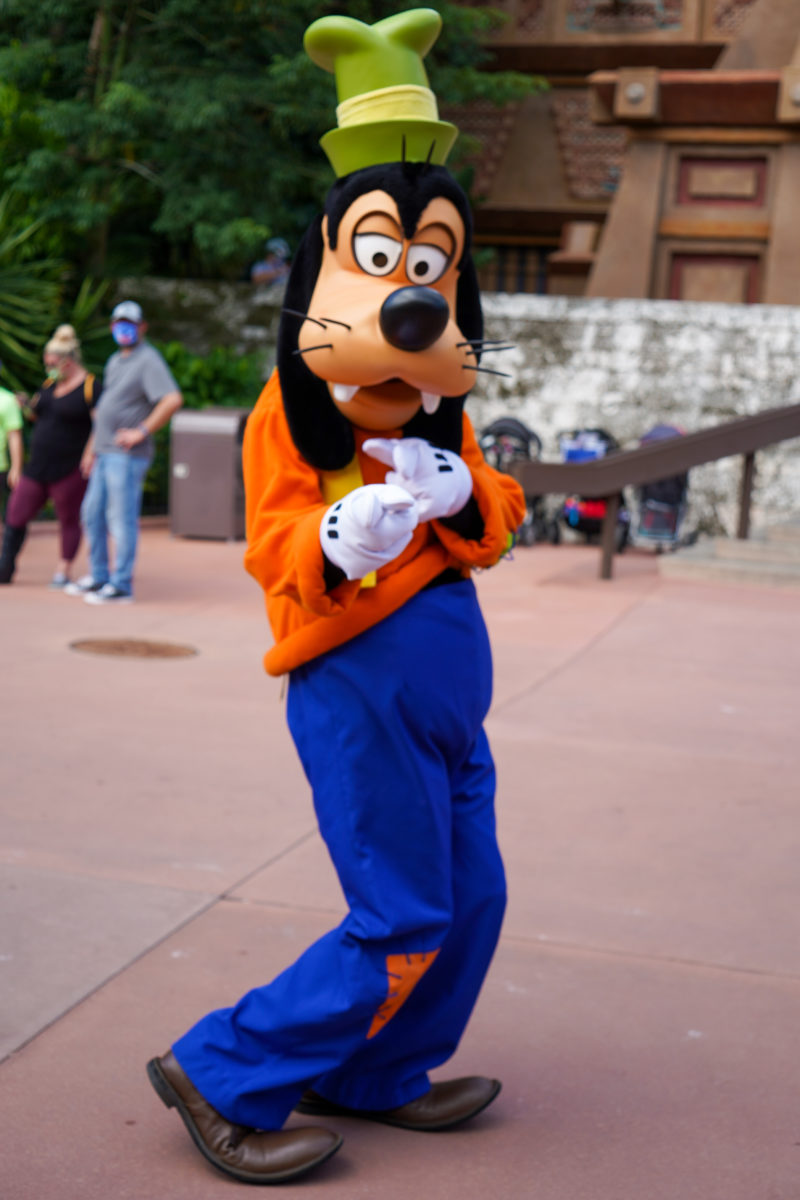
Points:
[(382, 320)]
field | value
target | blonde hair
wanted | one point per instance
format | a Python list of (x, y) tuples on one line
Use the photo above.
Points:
[(65, 341)]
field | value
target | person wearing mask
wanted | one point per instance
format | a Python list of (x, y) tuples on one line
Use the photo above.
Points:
[(139, 397), (61, 412)]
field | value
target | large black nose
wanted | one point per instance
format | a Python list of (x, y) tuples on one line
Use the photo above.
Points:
[(412, 318)]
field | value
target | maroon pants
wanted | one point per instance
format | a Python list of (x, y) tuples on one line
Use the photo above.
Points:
[(29, 497)]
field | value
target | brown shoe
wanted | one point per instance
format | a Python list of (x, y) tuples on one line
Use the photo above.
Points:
[(445, 1105), (249, 1155)]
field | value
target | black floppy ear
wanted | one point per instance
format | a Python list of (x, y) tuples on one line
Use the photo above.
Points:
[(469, 314), (444, 427), (319, 431)]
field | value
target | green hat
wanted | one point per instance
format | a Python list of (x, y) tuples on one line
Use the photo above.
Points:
[(386, 110)]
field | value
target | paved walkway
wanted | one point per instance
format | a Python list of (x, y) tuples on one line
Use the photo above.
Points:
[(159, 856)]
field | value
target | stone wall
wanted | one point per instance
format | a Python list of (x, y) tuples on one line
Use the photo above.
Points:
[(621, 364), (202, 313), (628, 364)]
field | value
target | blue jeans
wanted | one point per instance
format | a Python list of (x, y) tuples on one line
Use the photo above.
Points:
[(112, 505)]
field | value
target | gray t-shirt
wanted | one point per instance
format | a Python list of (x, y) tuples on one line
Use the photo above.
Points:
[(132, 384)]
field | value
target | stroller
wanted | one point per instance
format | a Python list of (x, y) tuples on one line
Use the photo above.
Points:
[(661, 506), (508, 440), (586, 516)]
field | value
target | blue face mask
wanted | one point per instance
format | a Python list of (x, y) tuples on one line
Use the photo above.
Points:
[(125, 333)]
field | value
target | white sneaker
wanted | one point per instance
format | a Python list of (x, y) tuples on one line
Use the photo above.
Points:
[(82, 586), (108, 594)]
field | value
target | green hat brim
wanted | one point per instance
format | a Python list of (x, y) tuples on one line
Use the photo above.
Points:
[(366, 145)]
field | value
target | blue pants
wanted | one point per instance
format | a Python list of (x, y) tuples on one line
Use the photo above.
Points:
[(112, 505), (389, 730)]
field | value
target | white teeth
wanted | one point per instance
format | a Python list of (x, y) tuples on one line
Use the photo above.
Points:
[(344, 392)]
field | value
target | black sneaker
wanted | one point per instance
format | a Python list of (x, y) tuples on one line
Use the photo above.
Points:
[(82, 586), (108, 594)]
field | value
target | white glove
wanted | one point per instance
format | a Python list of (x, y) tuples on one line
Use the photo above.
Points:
[(368, 528), (438, 480)]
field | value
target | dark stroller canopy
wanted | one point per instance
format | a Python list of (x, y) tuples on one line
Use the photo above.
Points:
[(670, 491), (660, 433), (510, 427)]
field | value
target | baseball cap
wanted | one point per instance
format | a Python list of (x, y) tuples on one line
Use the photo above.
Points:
[(277, 246), (128, 310)]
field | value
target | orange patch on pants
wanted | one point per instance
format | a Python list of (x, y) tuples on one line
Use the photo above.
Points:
[(405, 972)]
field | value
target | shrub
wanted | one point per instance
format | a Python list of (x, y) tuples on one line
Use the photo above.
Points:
[(29, 299), (220, 378)]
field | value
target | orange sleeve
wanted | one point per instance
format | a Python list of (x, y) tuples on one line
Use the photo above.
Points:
[(284, 508), (501, 503)]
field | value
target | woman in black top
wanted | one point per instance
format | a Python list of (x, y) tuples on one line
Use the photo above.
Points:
[(61, 410)]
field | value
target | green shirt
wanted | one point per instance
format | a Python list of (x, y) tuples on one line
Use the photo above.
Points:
[(10, 419)]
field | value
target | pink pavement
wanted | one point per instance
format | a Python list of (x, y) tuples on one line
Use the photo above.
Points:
[(159, 856)]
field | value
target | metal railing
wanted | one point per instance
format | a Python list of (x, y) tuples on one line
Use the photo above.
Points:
[(604, 478)]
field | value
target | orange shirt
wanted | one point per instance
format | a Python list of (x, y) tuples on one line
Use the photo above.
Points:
[(285, 505)]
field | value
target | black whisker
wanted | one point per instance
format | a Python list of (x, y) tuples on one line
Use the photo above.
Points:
[(482, 342), (331, 321), (308, 349), (321, 321), (293, 312), (487, 349), (484, 370)]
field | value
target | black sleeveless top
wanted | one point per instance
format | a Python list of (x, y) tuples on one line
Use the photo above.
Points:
[(62, 428)]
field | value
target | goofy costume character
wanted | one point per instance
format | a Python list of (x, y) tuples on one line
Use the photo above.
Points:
[(368, 506)]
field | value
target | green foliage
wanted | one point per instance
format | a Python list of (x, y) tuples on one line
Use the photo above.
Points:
[(222, 377), (175, 137), (38, 293), (85, 312), (29, 300)]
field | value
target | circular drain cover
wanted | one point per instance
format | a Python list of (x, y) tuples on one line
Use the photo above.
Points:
[(132, 648)]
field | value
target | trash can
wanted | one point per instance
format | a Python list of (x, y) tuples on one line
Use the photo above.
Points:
[(206, 490)]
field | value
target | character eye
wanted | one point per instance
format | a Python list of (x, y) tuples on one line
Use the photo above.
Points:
[(376, 253), (426, 264)]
